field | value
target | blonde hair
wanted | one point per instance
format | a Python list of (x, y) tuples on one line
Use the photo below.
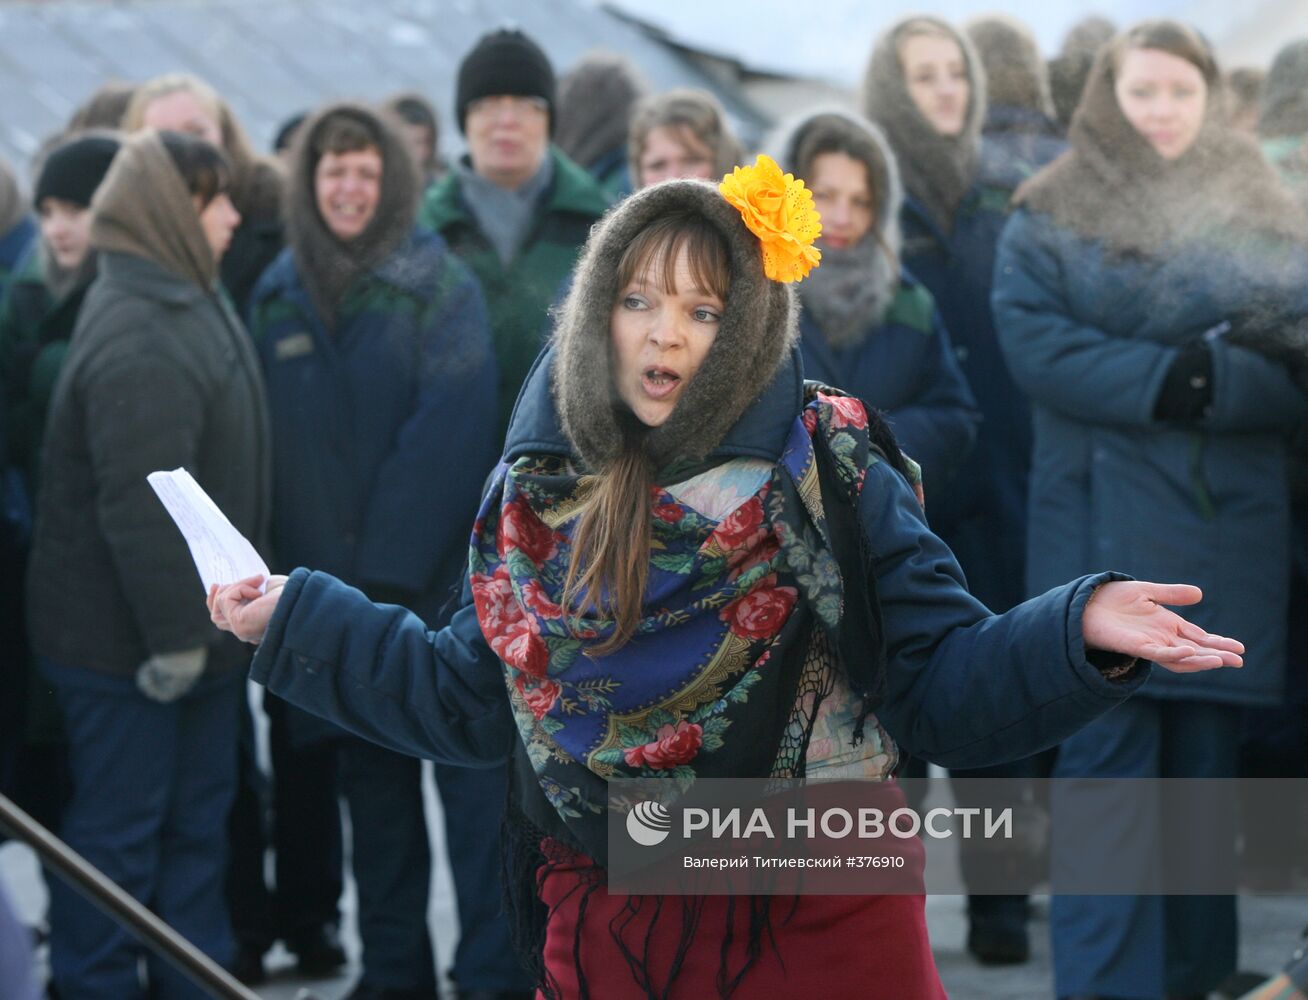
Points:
[(684, 109), (171, 83), (236, 144)]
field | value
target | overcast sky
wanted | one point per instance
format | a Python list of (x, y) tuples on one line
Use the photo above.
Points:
[(831, 38)]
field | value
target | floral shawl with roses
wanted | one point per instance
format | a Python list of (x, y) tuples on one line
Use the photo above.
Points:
[(708, 684)]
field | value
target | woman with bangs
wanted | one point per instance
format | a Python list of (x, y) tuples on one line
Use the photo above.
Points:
[(654, 550), (683, 133), (1150, 294)]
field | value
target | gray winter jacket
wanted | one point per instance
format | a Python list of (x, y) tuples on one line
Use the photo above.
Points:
[(159, 374)]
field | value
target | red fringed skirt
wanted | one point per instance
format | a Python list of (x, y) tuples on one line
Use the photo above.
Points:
[(834, 947)]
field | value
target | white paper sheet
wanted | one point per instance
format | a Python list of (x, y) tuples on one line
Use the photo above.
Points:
[(221, 553)]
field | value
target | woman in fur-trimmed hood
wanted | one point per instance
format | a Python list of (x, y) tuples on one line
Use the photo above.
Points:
[(925, 88), (1144, 290), (866, 325), (931, 107), (690, 563), (377, 352)]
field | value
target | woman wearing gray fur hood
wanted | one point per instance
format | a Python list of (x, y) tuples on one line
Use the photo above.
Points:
[(689, 563), (1151, 295), (925, 89), (866, 325)]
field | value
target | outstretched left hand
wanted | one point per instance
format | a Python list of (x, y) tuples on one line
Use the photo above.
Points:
[(1129, 617)]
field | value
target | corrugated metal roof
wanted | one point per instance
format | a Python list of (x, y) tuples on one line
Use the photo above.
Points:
[(272, 58)]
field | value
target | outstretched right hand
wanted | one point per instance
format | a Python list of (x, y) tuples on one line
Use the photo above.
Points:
[(242, 609)]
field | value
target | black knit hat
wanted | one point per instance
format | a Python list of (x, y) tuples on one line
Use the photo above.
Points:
[(74, 170), (504, 62)]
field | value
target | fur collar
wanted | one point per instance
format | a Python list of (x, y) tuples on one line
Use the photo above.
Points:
[(1114, 188), (758, 327)]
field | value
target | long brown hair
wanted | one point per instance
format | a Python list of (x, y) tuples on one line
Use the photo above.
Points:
[(609, 563)]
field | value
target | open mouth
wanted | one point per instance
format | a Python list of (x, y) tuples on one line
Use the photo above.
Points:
[(659, 382)]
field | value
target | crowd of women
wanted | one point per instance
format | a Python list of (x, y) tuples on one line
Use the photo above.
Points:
[(1073, 296)]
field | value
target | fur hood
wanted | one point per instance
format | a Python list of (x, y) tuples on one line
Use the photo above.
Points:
[(938, 170), (328, 266), (861, 139), (13, 206), (596, 98), (257, 191), (757, 331), (869, 292), (1284, 109), (1114, 188), (1016, 76)]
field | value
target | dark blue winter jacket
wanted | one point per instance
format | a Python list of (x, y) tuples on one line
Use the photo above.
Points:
[(1016, 143), (905, 367), (983, 518), (964, 687), (1091, 338), (13, 245), (383, 427)]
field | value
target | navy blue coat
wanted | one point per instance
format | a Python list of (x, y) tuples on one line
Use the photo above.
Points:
[(983, 518), (384, 428), (906, 368), (13, 245), (964, 687), (1016, 142), (1091, 339)]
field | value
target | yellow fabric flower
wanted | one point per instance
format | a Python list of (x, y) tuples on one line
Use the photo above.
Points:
[(779, 210)]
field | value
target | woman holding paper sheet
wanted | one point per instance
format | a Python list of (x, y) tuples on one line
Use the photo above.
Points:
[(690, 563), (160, 375)]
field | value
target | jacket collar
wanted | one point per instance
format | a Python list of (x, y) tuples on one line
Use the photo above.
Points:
[(145, 277), (761, 432), (573, 190), (403, 270)]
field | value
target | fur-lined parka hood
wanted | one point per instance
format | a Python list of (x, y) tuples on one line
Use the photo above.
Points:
[(757, 330)]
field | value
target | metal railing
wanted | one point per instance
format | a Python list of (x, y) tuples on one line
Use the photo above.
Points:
[(121, 907)]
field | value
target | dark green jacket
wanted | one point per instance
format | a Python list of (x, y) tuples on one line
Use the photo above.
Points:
[(34, 335), (520, 294)]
